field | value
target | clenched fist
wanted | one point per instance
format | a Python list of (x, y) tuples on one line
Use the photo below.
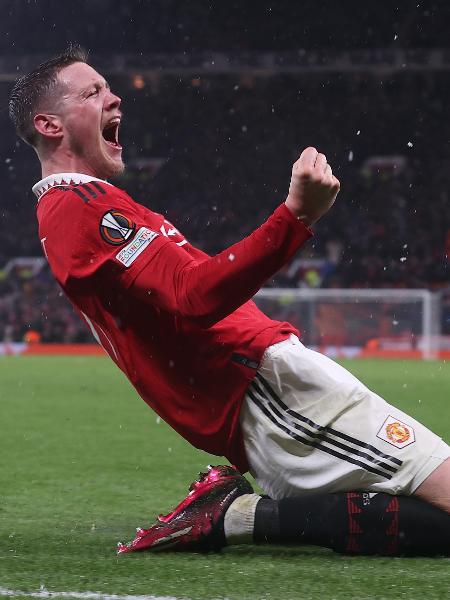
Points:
[(313, 187)]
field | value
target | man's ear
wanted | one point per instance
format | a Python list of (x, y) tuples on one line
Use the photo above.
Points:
[(49, 126)]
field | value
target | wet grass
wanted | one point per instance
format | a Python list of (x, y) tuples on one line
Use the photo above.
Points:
[(83, 462)]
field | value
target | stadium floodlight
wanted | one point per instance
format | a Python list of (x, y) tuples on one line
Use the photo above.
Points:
[(360, 322)]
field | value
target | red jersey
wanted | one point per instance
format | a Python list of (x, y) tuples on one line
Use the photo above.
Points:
[(179, 323)]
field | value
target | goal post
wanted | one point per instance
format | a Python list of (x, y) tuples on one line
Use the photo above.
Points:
[(360, 322)]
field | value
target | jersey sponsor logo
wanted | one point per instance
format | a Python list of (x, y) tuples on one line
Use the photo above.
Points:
[(116, 228), (395, 432), (169, 231), (141, 240)]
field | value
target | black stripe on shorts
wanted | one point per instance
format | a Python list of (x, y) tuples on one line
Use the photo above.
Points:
[(319, 437), (334, 432)]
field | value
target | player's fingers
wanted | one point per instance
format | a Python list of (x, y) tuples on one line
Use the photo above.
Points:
[(336, 184), (321, 163), (328, 175), (307, 158)]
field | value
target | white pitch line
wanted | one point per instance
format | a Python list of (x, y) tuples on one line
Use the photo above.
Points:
[(43, 593)]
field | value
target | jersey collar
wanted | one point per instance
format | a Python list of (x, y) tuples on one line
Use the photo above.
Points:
[(41, 187)]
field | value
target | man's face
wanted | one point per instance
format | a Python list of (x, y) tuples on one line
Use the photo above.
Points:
[(90, 115)]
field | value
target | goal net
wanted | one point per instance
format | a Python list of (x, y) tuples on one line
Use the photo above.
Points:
[(360, 322)]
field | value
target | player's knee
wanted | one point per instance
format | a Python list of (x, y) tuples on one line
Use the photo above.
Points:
[(435, 489)]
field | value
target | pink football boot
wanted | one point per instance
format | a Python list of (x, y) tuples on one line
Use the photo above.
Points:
[(197, 522)]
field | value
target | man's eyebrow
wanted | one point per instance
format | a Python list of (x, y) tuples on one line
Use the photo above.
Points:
[(96, 85)]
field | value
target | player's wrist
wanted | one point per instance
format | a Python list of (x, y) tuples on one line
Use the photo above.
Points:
[(298, 211)]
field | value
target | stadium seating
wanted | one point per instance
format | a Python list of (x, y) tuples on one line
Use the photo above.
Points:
[(214, 155)]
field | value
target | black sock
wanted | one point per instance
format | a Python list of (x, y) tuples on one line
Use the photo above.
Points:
[(356, 523)]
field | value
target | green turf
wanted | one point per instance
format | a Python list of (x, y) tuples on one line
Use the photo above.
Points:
[(83, 461)]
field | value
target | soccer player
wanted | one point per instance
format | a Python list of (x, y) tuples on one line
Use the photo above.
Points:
[(182, 327)]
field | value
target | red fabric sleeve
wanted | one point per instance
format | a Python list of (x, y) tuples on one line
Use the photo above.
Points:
[(210, 289), (155, 263)]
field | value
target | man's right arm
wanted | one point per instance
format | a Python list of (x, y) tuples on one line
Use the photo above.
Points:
[(209, 290), (113, 235)]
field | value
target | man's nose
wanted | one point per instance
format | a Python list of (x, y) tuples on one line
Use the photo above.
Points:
[(113, 101)]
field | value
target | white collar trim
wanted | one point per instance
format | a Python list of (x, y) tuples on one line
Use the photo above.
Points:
[(43, 186)]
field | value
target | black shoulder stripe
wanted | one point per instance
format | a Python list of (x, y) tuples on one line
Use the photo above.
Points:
[(89, 189), (97, 186), (80, 194)]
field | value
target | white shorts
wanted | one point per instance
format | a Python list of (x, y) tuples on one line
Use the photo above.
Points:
[(310, 426)]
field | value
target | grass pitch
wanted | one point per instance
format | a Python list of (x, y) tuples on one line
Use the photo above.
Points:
[(83, 461)]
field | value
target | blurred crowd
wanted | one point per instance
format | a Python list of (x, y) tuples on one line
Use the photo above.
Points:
[(214, 154), (33, 309), (173, 26)]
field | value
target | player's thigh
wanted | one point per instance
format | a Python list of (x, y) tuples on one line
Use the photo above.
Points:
[(309, 426)]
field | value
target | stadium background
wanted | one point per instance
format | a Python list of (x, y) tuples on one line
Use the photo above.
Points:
[(219, 97)]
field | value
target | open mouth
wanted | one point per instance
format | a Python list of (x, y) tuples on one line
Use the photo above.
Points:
[(110, 133)]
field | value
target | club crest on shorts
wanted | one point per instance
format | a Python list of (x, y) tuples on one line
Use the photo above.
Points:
[(396, 433), (116, 228)]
